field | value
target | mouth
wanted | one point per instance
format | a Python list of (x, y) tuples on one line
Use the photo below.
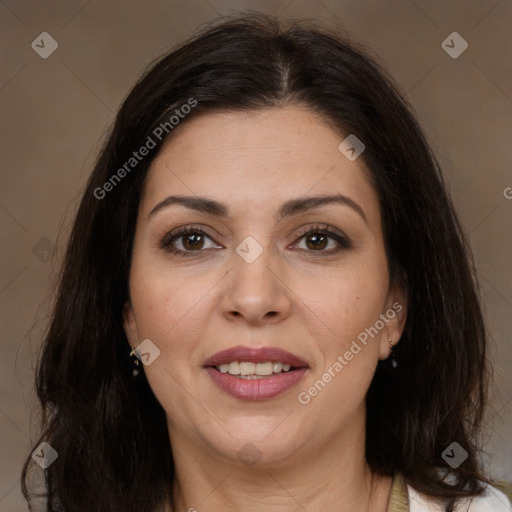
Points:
[(255, 374), (249, 370)]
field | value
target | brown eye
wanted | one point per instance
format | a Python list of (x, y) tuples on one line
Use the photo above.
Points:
[(316, 241), (192, 241), (187, 242)]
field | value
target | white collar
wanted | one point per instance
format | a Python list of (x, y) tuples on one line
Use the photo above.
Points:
[(491, 500)]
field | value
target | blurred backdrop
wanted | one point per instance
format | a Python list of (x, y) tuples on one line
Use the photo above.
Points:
[(67, 65)]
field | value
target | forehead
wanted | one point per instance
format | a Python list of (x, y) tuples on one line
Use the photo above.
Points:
[(257, 159)]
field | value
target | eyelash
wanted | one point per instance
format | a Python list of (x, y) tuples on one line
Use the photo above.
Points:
[(169, 238)]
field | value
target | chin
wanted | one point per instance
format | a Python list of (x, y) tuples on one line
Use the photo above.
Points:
[(258, 442)]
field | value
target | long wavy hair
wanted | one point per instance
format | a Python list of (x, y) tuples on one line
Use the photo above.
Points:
[(108, 428)]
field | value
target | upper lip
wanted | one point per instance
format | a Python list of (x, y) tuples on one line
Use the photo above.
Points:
[(255, 355)]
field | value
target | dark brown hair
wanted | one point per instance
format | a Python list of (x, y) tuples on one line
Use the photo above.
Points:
[(108, 428)]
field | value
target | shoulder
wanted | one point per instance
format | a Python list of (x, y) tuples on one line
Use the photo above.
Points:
[(491, 500)]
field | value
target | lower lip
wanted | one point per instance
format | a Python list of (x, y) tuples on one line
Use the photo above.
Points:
[(256, 389)]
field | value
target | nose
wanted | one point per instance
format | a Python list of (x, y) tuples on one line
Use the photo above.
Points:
[(256, 292)]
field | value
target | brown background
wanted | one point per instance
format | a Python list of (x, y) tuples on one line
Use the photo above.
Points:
[(55, 110)]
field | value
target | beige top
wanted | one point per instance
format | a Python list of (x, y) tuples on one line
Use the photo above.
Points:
[(399, 498)]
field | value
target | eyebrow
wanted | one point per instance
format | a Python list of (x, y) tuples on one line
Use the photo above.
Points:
[(287, 209)]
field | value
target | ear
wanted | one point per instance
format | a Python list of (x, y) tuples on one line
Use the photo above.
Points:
[(394, 316), (129, 325)]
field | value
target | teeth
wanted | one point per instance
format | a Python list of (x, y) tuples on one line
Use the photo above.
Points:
[(278, 367), (247, 370), (234, 368), (264, 369)]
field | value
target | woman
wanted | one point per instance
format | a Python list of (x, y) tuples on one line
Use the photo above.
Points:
[(267, 302)]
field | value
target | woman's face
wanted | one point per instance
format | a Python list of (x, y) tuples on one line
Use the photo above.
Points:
[(247, 278)]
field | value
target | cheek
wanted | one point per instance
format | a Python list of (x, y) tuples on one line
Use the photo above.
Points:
[(165, 304), (345, 304), (345, 365), (171, 312)]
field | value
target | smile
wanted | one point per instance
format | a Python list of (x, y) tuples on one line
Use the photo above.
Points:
[(247, 369), (255, 374)]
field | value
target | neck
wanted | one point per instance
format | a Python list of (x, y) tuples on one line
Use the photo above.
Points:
[(333, 478)]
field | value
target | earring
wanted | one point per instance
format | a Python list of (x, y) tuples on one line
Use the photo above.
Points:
[(392, 359), (135, 371)]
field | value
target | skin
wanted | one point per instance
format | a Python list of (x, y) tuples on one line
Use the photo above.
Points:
[(294, 296)]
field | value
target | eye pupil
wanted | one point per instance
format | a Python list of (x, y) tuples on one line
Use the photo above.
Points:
[(196, 241), (319, 241)]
